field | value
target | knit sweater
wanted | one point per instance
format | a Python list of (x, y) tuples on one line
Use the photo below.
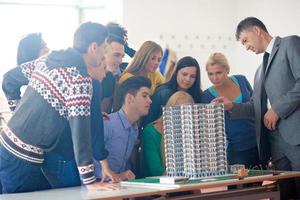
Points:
[(59, 93)]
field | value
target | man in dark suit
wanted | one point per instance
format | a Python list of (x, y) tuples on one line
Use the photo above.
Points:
[(276, 99)]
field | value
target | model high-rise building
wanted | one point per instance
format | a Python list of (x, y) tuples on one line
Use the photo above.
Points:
[(195, 140)]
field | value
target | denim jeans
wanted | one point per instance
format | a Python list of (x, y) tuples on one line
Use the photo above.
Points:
[(60, 172), (18, 175)]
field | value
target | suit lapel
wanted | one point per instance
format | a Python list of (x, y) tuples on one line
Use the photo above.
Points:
[(273, 53)]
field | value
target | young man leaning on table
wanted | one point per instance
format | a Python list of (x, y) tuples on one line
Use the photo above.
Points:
[(121, 130)]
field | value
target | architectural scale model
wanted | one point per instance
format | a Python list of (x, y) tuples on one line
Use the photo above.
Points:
[(195, 140)]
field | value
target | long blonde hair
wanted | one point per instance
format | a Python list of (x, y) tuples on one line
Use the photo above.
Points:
[(141, 57)]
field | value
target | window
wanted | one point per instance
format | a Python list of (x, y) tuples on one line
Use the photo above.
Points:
[(56, 20)]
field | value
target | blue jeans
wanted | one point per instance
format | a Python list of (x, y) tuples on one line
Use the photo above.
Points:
[(17, 175), (60, 172)]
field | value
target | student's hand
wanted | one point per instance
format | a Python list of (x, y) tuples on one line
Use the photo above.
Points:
[(105, 116), (127, 175), (107, 173), (228, 105), (270, 119), (102, 186)]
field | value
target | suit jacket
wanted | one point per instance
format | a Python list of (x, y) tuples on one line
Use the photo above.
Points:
[(281, 81)]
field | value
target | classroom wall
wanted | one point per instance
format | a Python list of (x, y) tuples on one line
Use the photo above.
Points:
[(200, 27)]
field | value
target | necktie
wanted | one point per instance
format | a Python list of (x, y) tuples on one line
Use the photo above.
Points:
[(265, 61), (263, 90)]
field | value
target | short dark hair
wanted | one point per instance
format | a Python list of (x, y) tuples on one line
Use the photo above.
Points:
[(132, 85), (87, 33), (248, 23), (29, 47), (116, 33)]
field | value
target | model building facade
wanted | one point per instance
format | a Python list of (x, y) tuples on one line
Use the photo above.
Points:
[(195, 140)]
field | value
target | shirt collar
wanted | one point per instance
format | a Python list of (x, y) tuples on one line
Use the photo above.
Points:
[(270, 45), (125, 121)]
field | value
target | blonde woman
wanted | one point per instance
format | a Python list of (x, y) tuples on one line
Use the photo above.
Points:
[(241, 138), (152, 138), (145, 63)]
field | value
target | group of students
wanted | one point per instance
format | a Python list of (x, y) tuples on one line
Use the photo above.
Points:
[(58, 135), (140, 80)]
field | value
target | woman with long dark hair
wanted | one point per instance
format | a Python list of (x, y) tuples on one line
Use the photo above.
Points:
[(186, 77)]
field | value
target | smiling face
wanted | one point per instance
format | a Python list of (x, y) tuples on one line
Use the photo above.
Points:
[(114, 56), (217, 74), (252, 40), (186, 77), (153, 62)]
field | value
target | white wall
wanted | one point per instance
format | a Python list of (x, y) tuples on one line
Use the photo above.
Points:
[(200, 27), (281, 18), (103, 11)]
